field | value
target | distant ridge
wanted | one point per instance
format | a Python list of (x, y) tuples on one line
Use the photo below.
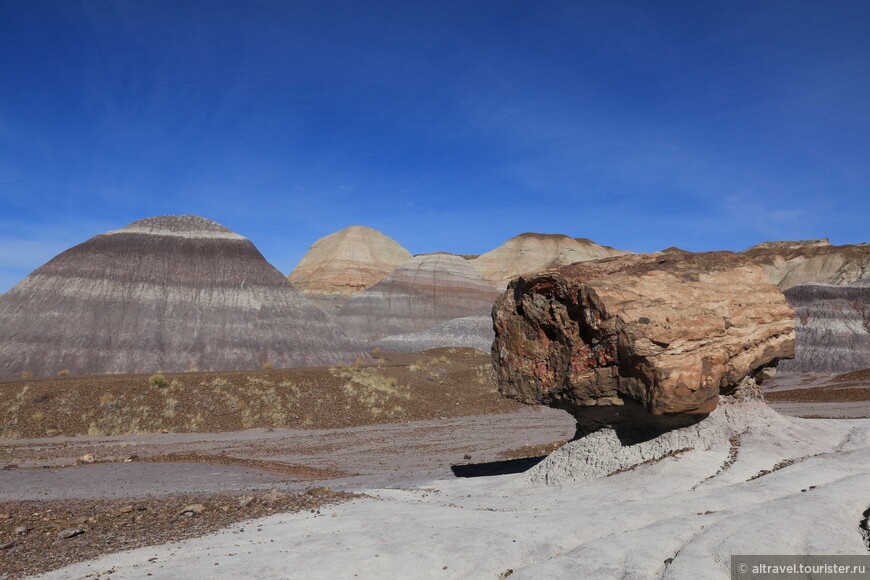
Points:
[(790, 263), (533, 252)]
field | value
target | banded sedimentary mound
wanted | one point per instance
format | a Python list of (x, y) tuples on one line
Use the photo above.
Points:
[(531, 253), (168, 293), (789, 264), (819, 281), (421, 294), (345, 263), (667, 331), (468, 331), (833, 328)]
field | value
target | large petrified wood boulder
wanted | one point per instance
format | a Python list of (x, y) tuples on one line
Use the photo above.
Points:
[(668, 331)]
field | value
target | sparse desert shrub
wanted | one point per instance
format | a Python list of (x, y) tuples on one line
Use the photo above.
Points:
[(267, 366), (64, 373), (379, 393), (26, 375), (158, 380), (38, 417)]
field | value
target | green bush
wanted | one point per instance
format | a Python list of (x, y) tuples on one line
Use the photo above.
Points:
[(158, 380)]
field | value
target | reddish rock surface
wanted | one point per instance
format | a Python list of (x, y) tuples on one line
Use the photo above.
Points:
[(667, 330)]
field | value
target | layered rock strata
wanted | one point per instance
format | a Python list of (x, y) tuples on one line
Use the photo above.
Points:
[(531, 253), (468, 331), (833, 328), (169, 293), (421, 294), (345, 263), (639, 336)]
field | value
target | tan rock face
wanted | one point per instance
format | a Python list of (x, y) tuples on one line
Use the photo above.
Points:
[(531, 253), (421, 294), (346, 263), (789, 264), (667, 330), (170, 293)]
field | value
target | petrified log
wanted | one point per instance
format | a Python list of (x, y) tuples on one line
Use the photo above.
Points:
[(662, 333)]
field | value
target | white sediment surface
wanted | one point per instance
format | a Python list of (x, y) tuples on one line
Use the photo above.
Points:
[(763, 484)]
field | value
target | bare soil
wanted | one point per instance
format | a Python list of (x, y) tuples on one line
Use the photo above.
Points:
[(435, 384), (32, 533), (112, 461)]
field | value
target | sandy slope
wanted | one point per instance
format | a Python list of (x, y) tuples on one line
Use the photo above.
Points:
[(796, 486)]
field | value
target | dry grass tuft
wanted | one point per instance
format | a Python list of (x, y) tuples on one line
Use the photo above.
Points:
[(158, 380)]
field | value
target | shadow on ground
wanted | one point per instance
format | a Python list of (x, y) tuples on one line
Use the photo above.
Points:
[(506, 467)]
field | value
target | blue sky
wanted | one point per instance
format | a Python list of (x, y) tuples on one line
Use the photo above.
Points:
[(447, 125)]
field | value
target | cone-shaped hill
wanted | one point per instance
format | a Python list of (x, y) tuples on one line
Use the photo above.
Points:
[(168, 293), (529, 253), (346, 263), (422, 293)]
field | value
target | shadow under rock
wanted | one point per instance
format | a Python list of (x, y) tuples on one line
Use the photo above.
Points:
[(506, 467)]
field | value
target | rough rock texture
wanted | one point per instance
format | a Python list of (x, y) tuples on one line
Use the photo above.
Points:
[(833, 328), (610, 450), (667, 330), (166, 293), (421, 294), (531, 253), (788, 264), (469, 331), (346, 263)]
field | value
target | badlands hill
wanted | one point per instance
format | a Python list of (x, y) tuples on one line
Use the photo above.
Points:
[(833, 328), (790, 263), (166, 293), (421, 294), (821, 281), (345, 263), (530, 253)]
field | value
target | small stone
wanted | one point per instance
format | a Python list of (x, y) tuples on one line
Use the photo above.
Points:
[(70, 533), (7, 545), (272, 496), (5, 516), (245, 501), (192, 509), (126, 509), (87, 458), (21, 530)]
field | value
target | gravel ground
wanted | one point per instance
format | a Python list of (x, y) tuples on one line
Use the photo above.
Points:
[(37, 536)]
